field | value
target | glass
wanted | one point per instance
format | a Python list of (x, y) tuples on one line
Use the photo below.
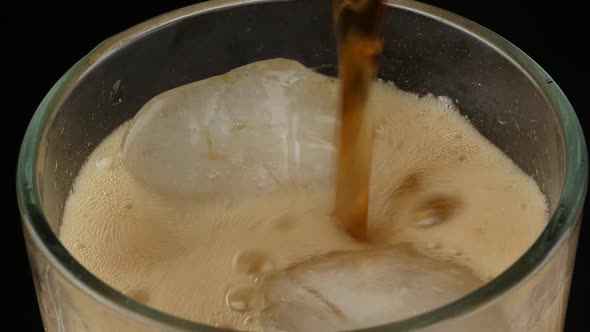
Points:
[(505, 94)]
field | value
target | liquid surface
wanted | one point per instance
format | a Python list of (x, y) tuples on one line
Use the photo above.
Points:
[(214, 203)]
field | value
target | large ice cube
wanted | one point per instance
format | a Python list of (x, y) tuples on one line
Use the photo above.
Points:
[(251, 129), (349, 290)]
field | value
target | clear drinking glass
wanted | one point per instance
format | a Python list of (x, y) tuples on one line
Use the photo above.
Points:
[(505, 94)]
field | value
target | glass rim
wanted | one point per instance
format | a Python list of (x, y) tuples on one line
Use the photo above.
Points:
[(562, 221)]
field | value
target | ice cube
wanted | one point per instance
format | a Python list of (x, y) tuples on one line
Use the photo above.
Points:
[(350, 290), (252, 129)]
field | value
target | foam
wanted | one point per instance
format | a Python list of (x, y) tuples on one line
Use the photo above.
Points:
[(438, 187)]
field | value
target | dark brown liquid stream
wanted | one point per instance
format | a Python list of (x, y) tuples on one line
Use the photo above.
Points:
[(358, 26)]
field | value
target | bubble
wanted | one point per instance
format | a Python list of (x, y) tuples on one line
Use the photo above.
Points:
[(238, 159), (244, 299), (127, 205), (116, 94), (436, 209), (104, 164), (213, 174), (238, 125), (252, 262), (237, 304), (80, 246)]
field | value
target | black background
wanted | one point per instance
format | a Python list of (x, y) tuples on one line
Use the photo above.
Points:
[(45, 39)]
